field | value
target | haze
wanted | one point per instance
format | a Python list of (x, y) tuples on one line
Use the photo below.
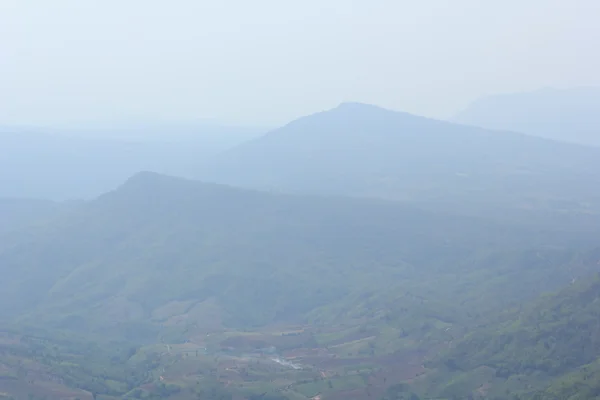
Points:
[(299, 200), (265, 62)]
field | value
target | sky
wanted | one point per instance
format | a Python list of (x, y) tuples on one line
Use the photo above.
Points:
[(265, 62)]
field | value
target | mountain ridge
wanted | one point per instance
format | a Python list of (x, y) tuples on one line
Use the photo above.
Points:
[(567, 115), (366, 151), (166, 263), (158, 232)]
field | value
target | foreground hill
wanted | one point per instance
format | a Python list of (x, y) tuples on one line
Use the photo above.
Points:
[(570, 115), (363, 150), (547, 349), (251, 293), (161, 247)]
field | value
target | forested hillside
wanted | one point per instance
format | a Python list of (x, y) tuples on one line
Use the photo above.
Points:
[(547, 349), (196, 279), (418, 284), (272, 200), (157, 240)]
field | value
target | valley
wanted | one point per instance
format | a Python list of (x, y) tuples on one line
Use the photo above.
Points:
[(302, 286), (299, 200)]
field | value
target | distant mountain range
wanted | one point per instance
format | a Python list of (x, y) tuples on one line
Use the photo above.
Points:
[(70, 163), (570, 115), (18, 213), (396, 255), (363, 150)]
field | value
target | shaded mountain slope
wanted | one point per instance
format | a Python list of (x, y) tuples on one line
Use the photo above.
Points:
[(170, 262), (543, 349), (244, 257), (363, 150)]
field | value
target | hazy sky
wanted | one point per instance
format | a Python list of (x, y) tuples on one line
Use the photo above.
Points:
[(267, 61)]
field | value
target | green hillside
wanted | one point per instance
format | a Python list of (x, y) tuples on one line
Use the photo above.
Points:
[(159, 247), (547, 349), (166, 287)]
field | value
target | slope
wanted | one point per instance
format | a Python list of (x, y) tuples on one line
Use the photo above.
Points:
[(357, 290), (363, 150), (546, 349), (570, 115), (221, 255)]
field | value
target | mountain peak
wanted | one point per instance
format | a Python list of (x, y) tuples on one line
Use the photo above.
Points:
[(142, 177), (145, 182), (357, 107)]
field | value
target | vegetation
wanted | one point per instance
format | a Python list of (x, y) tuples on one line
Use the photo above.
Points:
[(169, 288), (550, 343), (131, 263)]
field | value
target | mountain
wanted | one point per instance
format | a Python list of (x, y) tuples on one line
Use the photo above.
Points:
[(363, 150), (167, 288), (182, 288), (82, 163), (158, 247), (570, 115)]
